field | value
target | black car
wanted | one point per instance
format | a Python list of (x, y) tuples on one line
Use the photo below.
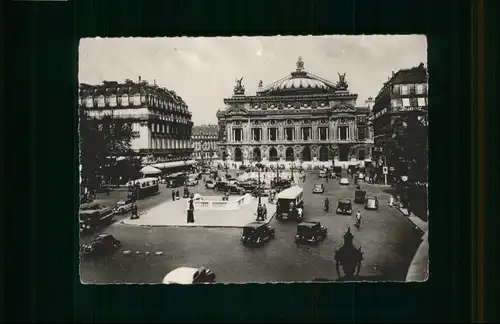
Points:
[(359, 196), (249, 186), (310, 232), (281, 184), (101, 244), (344, 207), (233, 188), (257, 233)]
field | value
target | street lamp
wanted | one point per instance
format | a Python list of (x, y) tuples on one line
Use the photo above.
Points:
[(202, 154), (291, 168), (260, 210)]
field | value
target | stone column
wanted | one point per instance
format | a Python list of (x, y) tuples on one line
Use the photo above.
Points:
[(314, 131)]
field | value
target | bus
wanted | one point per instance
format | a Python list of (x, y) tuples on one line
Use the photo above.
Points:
[(143, 187)]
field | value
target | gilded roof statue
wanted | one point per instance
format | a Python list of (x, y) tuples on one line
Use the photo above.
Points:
[(260, 84), (342, 84), (300, 64), (239, 88)]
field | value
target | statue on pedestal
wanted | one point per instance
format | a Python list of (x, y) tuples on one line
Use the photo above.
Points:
[(348, 257), (239, 88), (342, 84)]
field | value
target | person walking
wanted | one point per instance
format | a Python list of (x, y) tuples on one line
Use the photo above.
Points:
[(173, 195)]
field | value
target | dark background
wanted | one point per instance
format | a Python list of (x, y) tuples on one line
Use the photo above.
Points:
[(40, 130)]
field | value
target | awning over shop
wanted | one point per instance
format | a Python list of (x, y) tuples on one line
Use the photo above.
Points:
[(174, 164), (150, 170)]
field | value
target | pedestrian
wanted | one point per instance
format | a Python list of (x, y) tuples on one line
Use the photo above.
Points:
[(135, 214), (173, 195), (177, 196), (190, 212), (358, 219)]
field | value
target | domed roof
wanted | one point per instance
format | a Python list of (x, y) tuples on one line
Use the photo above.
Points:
[(298, 81)]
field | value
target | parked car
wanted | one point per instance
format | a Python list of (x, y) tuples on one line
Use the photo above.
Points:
[(209, 184), (188, 276), (318, 189), (249, 185), (359, 196), (322, 174), (344, 206), (371, 203), (257, 233), (123, 206), (224, 186), (344, 181), (102, 243), (310, 232)]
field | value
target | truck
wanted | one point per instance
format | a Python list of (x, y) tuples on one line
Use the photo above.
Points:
[(93, 215)]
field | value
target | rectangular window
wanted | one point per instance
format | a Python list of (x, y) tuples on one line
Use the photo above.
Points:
[(306, 133), (413, 102), (395, 103), (289, 134), (406, 102), (256, 134), (273, 134), (396, 89), (361, 133), (124, 100), (421, 102), (237, 135), (361, 155), (323, 133), (420, 88), (343, 133), (405, 89)]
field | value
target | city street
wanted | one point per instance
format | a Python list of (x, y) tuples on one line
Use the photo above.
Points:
[(387, 238)]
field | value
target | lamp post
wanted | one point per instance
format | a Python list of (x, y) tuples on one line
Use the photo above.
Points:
[(260, 210), (202, 154), (291, 168)]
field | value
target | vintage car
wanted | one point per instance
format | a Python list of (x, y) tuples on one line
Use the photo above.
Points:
[(257, 233), (290, 204), (191, 182), (337, 171), (93, 215), (359, 196), (123, 206), (263, 191), (188, 276), (281, 184), (233, 188), (344, 181), (101, 244), (322, 174), (310, 232), (210, 184), (371, 203), (344, 206), (249, 185), (318, 188), (361, 176)]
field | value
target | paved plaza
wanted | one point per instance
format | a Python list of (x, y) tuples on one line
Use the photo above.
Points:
[(174, 213), (387, 238)]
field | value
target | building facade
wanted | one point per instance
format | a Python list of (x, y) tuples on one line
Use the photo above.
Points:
[(404, 94), (205, 141), (299, 119), (160, 119)]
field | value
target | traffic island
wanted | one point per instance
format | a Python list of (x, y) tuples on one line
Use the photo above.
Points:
[(209, 212)]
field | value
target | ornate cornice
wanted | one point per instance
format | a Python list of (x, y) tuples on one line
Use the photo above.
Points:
[(301, 97)]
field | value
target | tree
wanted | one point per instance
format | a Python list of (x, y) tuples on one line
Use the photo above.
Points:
[(101, 142), (406, 146)]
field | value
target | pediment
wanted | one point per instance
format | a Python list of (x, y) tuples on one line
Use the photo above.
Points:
[(343, 107), (236, 112)]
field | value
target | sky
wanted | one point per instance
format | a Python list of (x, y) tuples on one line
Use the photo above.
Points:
[(202, 70)]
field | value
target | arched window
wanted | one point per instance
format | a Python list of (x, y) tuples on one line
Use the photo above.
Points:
[(289, 154), (100, 101), (306, 154), (112, 100), (273, 154), (124, 100), (257, 154), (89, 102), (238, 155), (323, 153)]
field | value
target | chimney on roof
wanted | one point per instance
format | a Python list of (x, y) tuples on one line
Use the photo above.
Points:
[(140, 79), (154, 81), (421, 65)]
